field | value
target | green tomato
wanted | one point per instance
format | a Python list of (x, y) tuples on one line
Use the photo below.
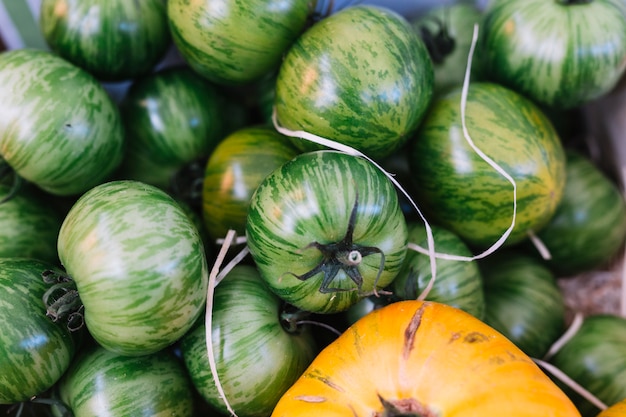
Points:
[(257, 357), (326, 229), (236, 42), (561, 53), (361, 77), (34, 351), (139, 266), (59, 128), (171, 118), (100, 382), (460, 191), (112, 39)]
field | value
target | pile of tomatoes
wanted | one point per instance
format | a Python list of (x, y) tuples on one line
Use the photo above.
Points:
[(318, 209)]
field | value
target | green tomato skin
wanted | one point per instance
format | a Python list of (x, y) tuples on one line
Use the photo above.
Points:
[(34, 351), (59, 128), (257, 360), (139, 266), (523, 301), (112, 39), (233, 172), (361, 77), (171, 118), (100, 382), (595, 357), (310, 199), (29, 226), (557, 54), (457, 283), (236, 42), (462, 192), (589, 226)]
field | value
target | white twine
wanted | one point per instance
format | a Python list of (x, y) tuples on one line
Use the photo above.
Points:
[(566, 337), (214, 278), (563, 377)]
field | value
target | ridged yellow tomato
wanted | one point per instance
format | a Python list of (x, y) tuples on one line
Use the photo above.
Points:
[(414, 358)]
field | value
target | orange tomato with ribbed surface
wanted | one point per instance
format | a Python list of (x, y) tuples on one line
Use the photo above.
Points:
[(426, 359)]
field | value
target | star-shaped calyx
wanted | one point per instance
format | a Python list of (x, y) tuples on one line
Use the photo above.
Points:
[(344, 255)]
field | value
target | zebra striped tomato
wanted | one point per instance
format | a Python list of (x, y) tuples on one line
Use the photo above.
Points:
[(139, 266), (560, 53), (413, 358), (326, 229)]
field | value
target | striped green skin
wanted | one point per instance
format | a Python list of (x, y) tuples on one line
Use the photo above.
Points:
[(112, 39), (458, 19), (104, 383), (522, 301), (457, 283), (257, 360), (139, 266), (595, 357), (361, 77), (59, 128), (29, 226), (236, 42), (234, 170), (310, 199), (589, 226), (462, 192), (171, 118), (34, 351), (557, 54)]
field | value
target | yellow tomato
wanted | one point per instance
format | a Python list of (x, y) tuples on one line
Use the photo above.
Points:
[(616, 410), (414, 358)]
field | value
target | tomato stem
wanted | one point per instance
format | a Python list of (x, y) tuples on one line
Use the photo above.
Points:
[(408, 407), (439, 43)]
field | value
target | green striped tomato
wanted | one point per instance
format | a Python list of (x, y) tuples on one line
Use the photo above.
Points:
[(59, 128), (523, 301), (561, 53), (100, 382), (589, 226), (112, 39), (257, 356), (361, 77), (326, 229), (236, 42), (461, 191), (595, 357), (34, 350), (234, 170), (457, 283), (171, 118), (29, 225), (138, 263)]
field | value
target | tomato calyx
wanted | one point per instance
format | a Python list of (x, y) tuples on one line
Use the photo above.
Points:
[(438, 43), (344, 255), (62, 300), (407, 407)]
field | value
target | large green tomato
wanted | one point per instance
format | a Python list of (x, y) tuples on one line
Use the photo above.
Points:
[(361, 77), (139, 266), (59, 128), (561, 53), (112, 39), (458, 189), (325, 230), (233, 41)]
